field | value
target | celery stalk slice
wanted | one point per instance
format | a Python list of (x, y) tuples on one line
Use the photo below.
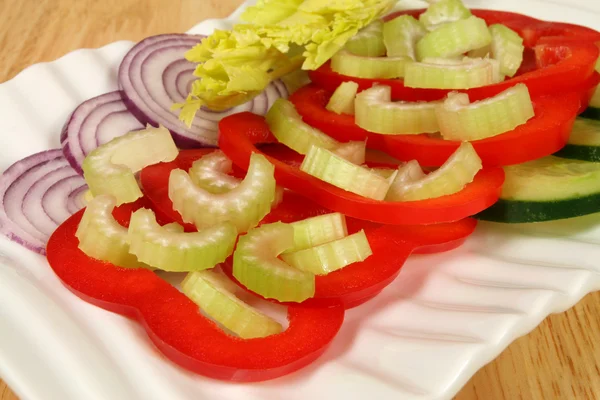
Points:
[(329, 167), (354, 151), (287, 126), (214, 293), (442, 12), (375, 112), (408, 174), (102, 237), (256, 266), (454, 38), (368, 42), (244, 206), (110, 168), (211, 173), (179, 251), (318, 230), (460, 120), (331, 256), (401, 34), (349, 64), (383, 172), (452, 74), (506, 47), (458, 171), (342, 100)]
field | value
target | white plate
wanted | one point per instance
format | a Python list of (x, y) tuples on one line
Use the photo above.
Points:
[(444, 318)]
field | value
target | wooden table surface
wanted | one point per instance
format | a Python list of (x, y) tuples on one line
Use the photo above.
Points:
[(559, 360)]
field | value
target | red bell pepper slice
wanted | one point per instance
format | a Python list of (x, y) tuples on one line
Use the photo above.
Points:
[(174, 323), (542, 135), (239, 134)]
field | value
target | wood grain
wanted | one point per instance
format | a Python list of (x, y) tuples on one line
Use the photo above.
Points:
[(559, 360)]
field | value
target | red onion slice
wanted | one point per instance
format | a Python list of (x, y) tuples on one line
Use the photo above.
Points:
[(93, 123), (155, 74), (38, 193)]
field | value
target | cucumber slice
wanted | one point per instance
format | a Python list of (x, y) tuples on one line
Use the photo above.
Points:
[(460, 120), (110, 168), (342, 100), (368, 42), (547, 189), (211, 173), (401, 34), (436, 73), (454, 39), (584, 141), (179, 251), (442, 12), (244, 206), (214, 293), (346, 63), (331, 256), (102, 237), (593, 110), (458, 171), (318, 230), (256, 266), (375, 112)]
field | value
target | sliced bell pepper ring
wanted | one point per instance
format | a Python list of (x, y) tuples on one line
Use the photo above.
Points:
[(239, 134), (175, 325)]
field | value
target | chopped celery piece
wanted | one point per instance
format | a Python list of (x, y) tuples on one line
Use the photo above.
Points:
[(384, 172), (442, 12), (368, 42), (110, 168), (454, 38), (481, 52), (256, 266), (376, 112), (331, 168), (210, 172), (451, 74), (460, 120), (348, 64), (295, 80), (458, 171), (214, 293), (178, 251), (102, 237), (342, 100), (354, 151), (401, 34), (287, 126), (506, 47), (318, 230), (407, 174), (331, 256), (244, 206)]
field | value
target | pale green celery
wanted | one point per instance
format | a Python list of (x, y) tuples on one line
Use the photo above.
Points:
[(482, 52), (163, 249), (454, 38), (375, 112), (110, 168), (102, 237), (442, 12), (451, 74), (287, 126), (256, 266), (331, 168), (214, 293), (368, 42), (458, 171), (354, 151), (408, 174), (342, 100), (244, 206), (332, 256), (506, 47), (211, 173), (401, 34), (460, 120), (383, 172), (318, 230), (348, 64)]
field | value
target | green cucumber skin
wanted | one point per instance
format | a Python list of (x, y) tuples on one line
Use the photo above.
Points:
[(591, 113), (579, 152), (517, 211)]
